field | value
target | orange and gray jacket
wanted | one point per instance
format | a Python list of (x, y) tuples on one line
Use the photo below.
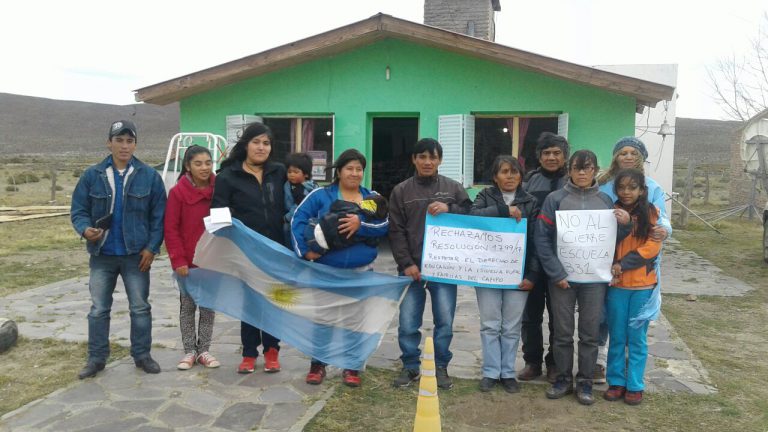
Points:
[(637, 257)]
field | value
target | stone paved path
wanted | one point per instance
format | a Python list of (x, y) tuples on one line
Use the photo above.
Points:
[(124, 398)]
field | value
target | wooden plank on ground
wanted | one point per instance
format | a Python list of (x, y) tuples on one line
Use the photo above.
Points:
[(16, 218)]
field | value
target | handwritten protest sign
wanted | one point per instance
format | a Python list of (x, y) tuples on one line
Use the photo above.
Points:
[(473, 250), (586, 242)]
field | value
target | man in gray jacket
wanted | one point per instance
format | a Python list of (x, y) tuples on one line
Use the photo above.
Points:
[(427, 191)]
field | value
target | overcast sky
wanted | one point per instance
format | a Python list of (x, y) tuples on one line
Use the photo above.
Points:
[(99, 51)]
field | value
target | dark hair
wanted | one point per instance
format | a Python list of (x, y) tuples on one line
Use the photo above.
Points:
[(512, 161), (428, 145), (547, 140), (240, 151), (643, 210), (344, 158), (301, 161), (581, 159), (190, 154)]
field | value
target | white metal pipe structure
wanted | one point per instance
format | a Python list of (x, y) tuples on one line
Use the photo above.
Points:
[(216, 144)]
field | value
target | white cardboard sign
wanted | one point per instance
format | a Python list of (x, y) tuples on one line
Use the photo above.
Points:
[(586, 243)]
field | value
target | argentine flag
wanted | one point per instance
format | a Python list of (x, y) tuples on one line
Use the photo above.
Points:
[(337, 316)]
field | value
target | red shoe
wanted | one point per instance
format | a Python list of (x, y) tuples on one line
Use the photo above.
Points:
[(248, 365), (271, 364), (316, 374), (633, 397), (351, 377), (614, 393)]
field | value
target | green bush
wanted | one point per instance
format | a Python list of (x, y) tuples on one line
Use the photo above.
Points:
[(46, 175), (77, 172), (21, 178), (11, 188), (59, 188)]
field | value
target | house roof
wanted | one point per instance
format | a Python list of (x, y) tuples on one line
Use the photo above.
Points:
[(383, 26), (759, 116)]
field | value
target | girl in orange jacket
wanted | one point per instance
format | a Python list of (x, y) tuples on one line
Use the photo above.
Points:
[(634, 277)]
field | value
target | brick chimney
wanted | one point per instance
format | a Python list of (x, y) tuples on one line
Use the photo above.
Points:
[(470, 17)]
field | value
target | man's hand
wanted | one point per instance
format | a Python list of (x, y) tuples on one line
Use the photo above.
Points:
[(515, 213), (436, 208), (658, 233), (147, 257), (311, 255), (563, 284), (413, 272), (526, 285), (349, 225), (93, 234), (183, 271)]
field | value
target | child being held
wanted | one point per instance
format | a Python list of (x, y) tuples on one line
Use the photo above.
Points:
[(323, 235), (298, 186)]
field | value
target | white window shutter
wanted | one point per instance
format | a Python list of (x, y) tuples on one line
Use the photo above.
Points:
[(468, 136), (450, 135), (562, 125)]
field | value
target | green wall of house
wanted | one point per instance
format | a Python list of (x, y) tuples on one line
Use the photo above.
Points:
[(425, 81)]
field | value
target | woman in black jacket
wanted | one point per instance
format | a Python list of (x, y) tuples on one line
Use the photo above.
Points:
[(251, 185), (501, 310)]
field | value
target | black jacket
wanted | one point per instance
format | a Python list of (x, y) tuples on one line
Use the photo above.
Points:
[(490, 202), (260, 206)]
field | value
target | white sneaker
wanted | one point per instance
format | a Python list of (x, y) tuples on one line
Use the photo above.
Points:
[(208, 360), (187, 361)]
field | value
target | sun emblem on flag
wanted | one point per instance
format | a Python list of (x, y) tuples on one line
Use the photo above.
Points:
[(283, 295)]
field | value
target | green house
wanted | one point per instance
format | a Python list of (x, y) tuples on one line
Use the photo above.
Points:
[(379, 84)]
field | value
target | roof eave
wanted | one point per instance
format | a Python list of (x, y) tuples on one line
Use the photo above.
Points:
[(381, 26)]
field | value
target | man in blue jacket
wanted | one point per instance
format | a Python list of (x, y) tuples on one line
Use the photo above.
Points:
[(117, 207)]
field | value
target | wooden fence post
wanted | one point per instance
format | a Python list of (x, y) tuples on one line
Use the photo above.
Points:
[(689, 179)]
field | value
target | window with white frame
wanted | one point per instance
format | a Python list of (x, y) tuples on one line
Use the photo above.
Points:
[(471, 143)]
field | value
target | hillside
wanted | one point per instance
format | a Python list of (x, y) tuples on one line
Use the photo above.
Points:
[(33, 125), (707, 141)]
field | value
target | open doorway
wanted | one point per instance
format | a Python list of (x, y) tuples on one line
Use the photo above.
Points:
[(393, 139)]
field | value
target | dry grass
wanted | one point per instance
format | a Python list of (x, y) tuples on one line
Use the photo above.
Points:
[(38, 252), (35, 368), (377, 406), (726, 334)]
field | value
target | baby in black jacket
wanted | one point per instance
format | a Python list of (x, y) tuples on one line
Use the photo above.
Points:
[(323, 235)]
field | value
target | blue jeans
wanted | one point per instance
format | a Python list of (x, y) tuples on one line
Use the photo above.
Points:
[(103, 278), (501, 318), (628, 347), (443, 297)]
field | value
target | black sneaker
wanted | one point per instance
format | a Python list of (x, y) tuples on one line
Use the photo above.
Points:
[(443, 380), (510, 385), (486, 384), (148, 365), (407, 376), (560, 388), (90, 369), (584, 393)]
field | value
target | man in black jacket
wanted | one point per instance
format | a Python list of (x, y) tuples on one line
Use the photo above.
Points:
[(427, 191), (552, 151)]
